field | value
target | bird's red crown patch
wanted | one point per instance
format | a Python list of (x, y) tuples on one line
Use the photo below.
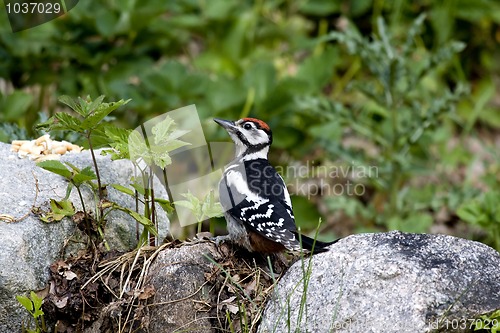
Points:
[(259, 122)]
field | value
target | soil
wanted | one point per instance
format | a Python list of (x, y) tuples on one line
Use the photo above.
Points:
[(88, 288)]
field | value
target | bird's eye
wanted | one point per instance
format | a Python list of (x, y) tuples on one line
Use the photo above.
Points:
[(247, 126)]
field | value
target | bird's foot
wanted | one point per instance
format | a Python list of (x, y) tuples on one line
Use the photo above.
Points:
[(219, 239)]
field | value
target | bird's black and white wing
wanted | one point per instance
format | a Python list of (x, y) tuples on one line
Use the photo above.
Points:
[(255, 194)]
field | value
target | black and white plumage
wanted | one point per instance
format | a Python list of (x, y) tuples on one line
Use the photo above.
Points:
[(257, 205)]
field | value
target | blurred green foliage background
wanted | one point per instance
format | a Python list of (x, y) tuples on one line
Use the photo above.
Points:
[(408, 102)]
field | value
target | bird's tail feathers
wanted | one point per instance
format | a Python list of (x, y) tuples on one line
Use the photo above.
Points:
[(319, 246)]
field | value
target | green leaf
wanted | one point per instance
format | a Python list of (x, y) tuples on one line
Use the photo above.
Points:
[(61, 122), (99, 111), (72, 103), (224, 94), (317, 70), (262, 78), (165, 140), (211, 207), (469, 212), (306, 213), (165, 204), (414, 31), (118, 140), (63, 207), (56, 167), (37, 304), (59, 210), (161, 130), (416, 223), (146, 222), (87, 174), (25, 302), (92, 113), (138, 148), (320, 7), (68, 191), (80, 176), (66, 122), (161, 158), (15, 105), (123, 189), (45, 125), (187, 204), (166, 132), (90, 106), (106, 22), (174, 144), (202, 209)]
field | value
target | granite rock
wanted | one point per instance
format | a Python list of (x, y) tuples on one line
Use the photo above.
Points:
[(388, 282), (28, 247)]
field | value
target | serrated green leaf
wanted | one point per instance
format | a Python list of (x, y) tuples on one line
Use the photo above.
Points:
[(61, 122), (211, 206), (80, 176), (90, 106), (138, 148), (162, 159), (192, 203), (119, 142), (154, 154), (161, 130), (72, 103), (202, 209), (45, 125), (187, 204), (166, 132), (117, 134), (100, 112), (85, 175), (174, 144), (66, 122), (56, 167)]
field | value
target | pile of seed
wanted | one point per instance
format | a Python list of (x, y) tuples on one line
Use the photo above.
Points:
[(43, 148)]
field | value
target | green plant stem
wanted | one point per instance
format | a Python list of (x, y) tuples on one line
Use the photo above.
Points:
[(85, 216), (394, 189), (81, 200), (101, 234), (342, 83), (101, 194), (248, 103), (306, 274), (136, 196), (147, 201), (153, 208), (395, 167)]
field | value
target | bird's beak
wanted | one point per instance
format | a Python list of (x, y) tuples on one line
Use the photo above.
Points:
[(227, 124)]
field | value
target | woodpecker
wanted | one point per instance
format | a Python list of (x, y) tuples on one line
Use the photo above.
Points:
[(256, 202)]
